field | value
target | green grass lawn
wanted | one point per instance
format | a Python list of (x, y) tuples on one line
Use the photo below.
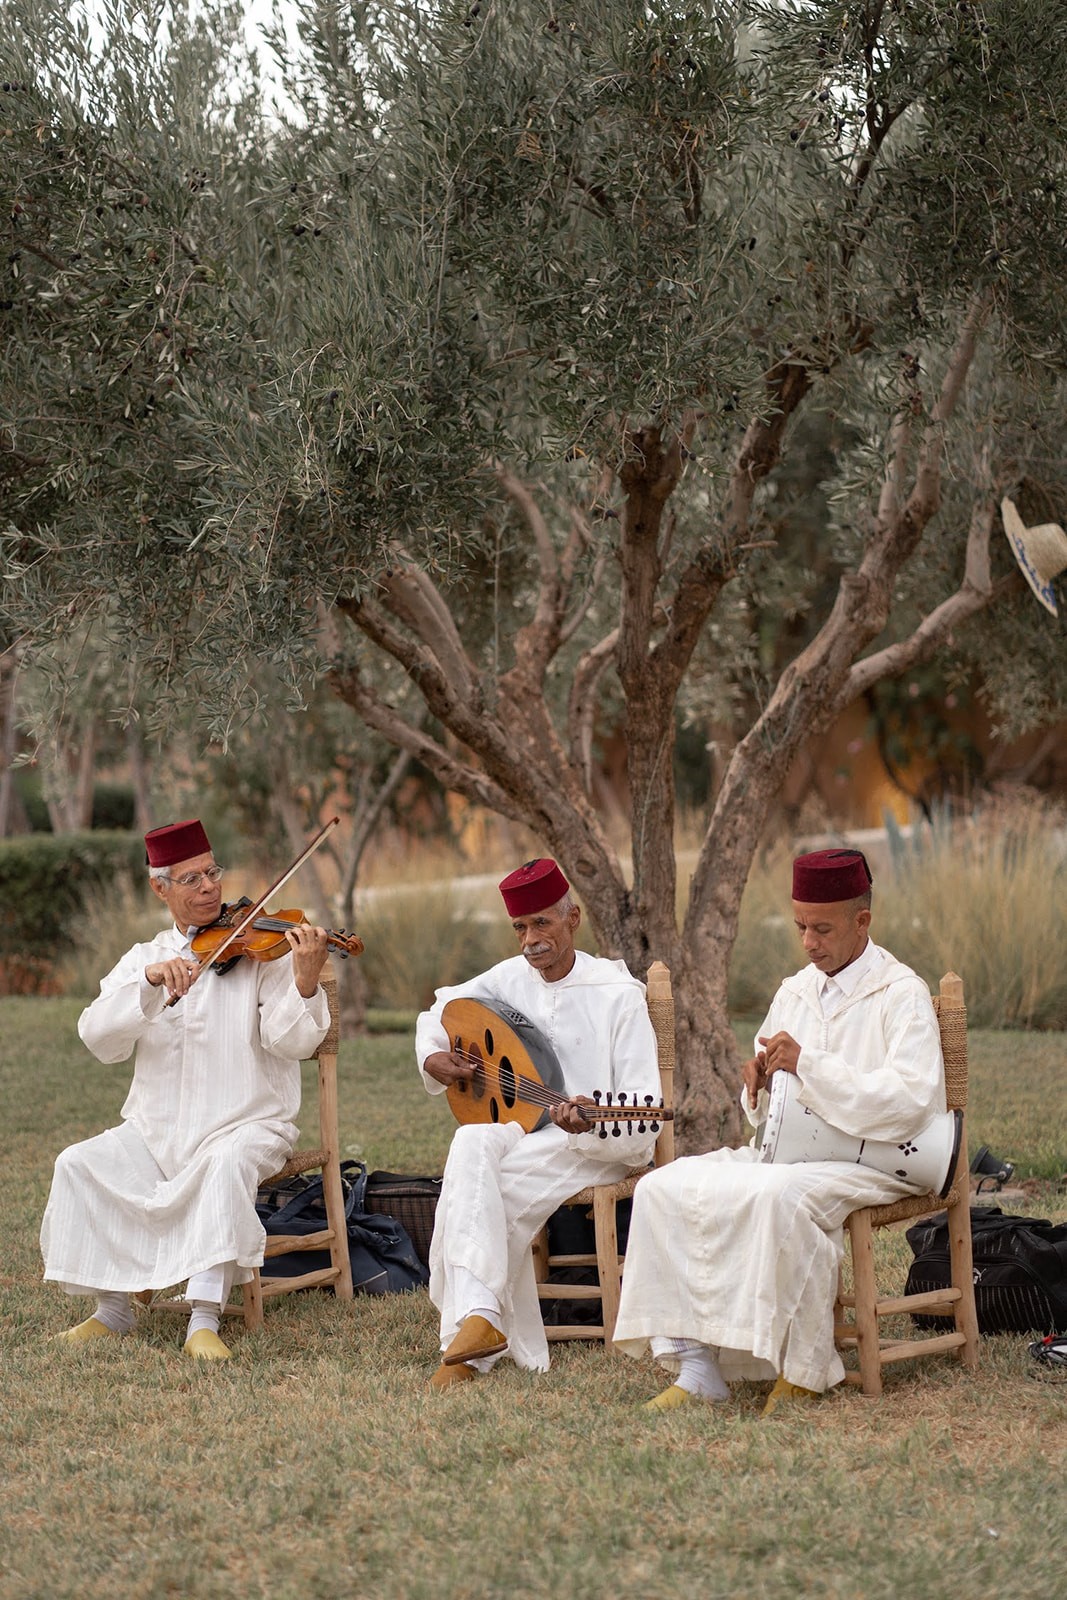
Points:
[(317, 1464)]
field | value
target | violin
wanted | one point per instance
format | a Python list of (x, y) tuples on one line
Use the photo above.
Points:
[(232, 937), (262, 939)]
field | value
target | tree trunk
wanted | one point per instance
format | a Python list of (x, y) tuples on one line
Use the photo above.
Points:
[(12, 815), (139, 780)]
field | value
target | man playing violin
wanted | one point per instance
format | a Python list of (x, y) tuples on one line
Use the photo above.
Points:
[(169, 1195), (501, 1184)]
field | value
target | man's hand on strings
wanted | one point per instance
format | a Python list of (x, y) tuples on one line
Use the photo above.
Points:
[(310, 948), (568, 1115), (448, 1066)]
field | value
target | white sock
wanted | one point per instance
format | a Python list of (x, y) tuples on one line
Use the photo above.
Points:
[(204, 1316), (698, 1373), (114, 1311)]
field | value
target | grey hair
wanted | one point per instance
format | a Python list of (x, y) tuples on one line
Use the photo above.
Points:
[(158, 872), (568, 903)]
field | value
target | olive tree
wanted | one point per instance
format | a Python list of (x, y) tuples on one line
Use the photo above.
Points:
[(529, 311)]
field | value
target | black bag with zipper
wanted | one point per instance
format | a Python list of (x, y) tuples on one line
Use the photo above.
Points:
[(1020, 1270), (383, 1258)]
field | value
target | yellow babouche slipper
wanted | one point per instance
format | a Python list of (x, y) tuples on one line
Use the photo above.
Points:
[(206, 1346), (448, 1377), (670, 1399), (786, 1393), (91, 1328), (477, 1337)]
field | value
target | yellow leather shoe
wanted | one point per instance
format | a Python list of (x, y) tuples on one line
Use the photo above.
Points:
[(669, 1400), (786, 1393), (91, 1328), (476, 1338), (446, 1377), (206, 1346)]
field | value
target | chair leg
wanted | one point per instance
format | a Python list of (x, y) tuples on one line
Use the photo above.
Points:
[(252, 1302), (539, 1250), (866, 1296), (607, 1258), (332, 1188), (962, 1264)]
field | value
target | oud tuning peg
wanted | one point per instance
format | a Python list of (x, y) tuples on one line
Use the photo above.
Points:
[(596, 1096), (648, 1100), (616, 1130), (653, 1127), (641, 1126), (602, 1131)]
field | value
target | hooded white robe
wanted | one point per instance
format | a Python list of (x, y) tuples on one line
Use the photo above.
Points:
[(501, 1185), (742, 1255), (210, 1113)]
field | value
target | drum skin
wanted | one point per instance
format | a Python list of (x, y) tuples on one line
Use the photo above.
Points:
[(792, 1132)]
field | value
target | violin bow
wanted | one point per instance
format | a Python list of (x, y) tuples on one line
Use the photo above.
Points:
[(253, 911)]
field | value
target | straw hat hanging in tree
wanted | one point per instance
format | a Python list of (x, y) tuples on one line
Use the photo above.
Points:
[(1041, 552)]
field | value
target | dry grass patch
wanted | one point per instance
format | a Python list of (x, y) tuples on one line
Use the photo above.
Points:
[(318, 1465)]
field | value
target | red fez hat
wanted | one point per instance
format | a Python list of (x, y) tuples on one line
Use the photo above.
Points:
[(178, 841), (533, 886), (828, 875)]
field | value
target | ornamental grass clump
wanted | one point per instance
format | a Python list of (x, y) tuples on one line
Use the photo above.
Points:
[(420, 936), (986, 896)]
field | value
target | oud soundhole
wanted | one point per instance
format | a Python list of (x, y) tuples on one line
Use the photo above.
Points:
[(490, 1048), (507, 1082), (473, 1056)]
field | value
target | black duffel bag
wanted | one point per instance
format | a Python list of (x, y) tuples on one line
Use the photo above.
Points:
[(383, 1258), (1020, 1270)]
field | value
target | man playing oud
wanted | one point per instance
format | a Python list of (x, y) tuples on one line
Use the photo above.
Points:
[(502, 1184)]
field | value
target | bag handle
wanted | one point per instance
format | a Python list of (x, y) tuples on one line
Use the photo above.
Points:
[(353, 1182)]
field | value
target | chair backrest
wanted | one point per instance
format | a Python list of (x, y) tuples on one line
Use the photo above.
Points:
[(328, 984), (952, 1023), (660, 999)]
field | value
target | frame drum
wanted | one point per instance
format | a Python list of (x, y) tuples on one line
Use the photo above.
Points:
[(793, 1133)]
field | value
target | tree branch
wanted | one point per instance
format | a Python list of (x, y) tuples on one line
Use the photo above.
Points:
[(582, 704), (538, 640), (452, 773), (974, 594), (416, 600)]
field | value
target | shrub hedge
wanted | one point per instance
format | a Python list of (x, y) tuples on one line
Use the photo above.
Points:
[(45, 880), (114, 806)]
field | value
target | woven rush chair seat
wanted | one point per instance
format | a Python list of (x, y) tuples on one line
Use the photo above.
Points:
[(603, 1198), (860, 1332)]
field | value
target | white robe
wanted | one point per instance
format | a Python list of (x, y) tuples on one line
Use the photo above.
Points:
[(210, 1113), (501, 1185), (743, 1255)]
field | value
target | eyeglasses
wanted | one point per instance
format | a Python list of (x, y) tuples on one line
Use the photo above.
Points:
[(192, 880)]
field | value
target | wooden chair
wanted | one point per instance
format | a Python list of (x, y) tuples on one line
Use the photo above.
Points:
[(860, 1333), (604, 1198), (326, 1156)]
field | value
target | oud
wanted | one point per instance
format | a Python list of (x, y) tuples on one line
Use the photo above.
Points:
[(517, 1076)]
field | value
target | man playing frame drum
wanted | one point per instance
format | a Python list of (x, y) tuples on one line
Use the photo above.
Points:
[(732, 1261)]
